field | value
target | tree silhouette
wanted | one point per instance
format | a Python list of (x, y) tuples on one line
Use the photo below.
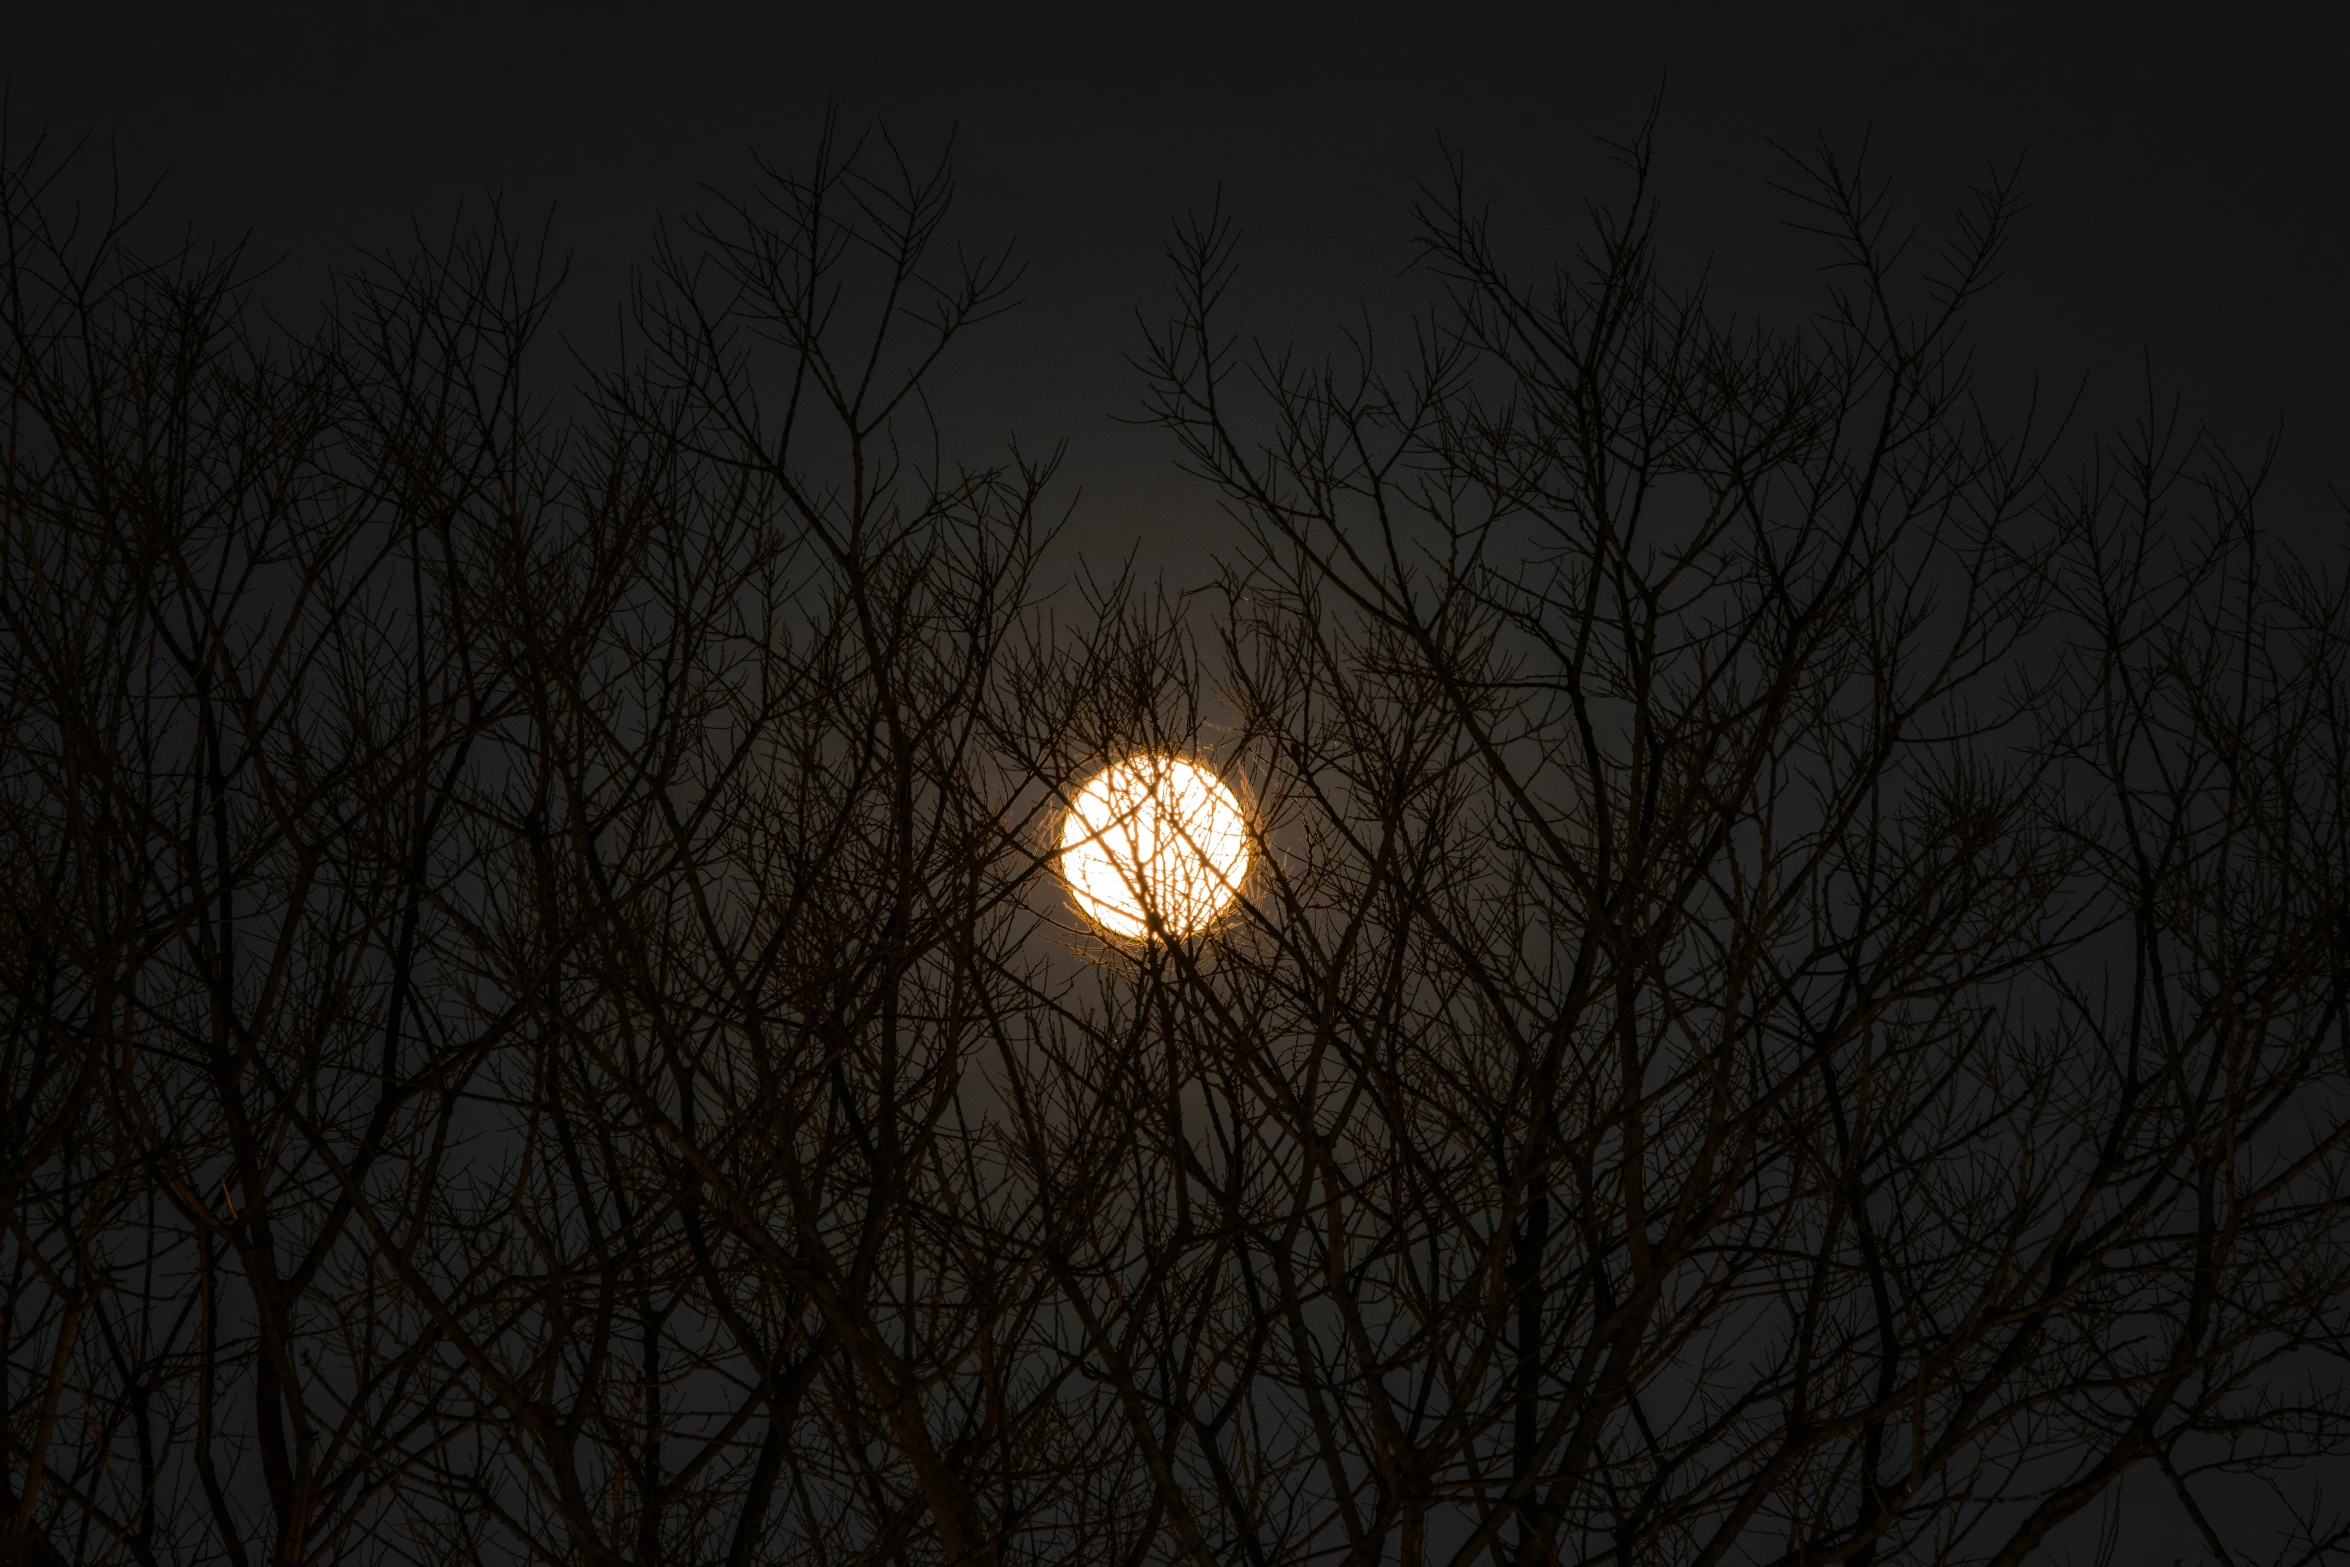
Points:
[(1789, 1006)]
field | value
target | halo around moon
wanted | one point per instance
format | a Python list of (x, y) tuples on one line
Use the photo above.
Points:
[(1154, 835)]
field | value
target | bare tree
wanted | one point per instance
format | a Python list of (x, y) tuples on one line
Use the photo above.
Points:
[(1789, 1007), (1800, 1017), (239, 707)]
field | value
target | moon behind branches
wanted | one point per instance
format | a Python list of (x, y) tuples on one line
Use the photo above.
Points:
[(1154, 834)]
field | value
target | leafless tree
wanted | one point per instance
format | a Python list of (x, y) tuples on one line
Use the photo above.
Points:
[(1801, 1017), (1789, 1006)]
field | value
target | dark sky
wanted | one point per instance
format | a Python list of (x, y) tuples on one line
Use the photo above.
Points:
[(2186, 166)]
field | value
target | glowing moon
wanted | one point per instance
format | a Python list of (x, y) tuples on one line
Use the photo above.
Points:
[(1154, 835)]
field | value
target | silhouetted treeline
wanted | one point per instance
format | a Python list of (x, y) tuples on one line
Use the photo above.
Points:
[(1790, 1007)]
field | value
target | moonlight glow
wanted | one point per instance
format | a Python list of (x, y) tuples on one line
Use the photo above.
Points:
[(1154, 835)]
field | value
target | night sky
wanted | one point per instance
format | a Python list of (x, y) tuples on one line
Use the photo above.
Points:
[(2188, 171), (2185, 169)]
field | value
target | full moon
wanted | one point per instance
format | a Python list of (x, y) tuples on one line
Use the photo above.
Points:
[(1154, 835)]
